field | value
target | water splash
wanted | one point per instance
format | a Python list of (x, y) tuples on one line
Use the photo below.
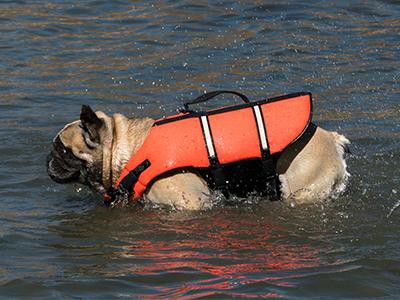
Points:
[(395, 206)]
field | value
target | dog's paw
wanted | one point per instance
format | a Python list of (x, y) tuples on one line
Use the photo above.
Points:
[(120, 200)]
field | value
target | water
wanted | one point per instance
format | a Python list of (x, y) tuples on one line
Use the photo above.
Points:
[(146, 59)]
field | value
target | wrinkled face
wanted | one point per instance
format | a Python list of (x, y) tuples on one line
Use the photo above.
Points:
[(77, 153)]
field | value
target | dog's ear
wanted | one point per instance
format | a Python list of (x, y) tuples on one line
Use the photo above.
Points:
[(91, 123)]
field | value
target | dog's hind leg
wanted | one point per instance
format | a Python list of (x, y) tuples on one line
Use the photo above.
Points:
[(314, 170)]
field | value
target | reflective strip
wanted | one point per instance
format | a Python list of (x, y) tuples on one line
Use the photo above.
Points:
[(207, 134), (261, 128)]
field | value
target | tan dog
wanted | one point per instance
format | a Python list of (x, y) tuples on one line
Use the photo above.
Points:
[(94, 149)]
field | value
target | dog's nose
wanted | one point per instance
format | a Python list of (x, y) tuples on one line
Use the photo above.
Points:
[(49, 158), (53, 166), (59, 171), (51, 170)]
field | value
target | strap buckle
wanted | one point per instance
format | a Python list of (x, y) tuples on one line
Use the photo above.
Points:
[(124, 189)]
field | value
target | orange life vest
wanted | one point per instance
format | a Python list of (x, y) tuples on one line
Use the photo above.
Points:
[(253, 130)]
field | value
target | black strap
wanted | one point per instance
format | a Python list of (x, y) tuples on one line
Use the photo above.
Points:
[(220, 182), (269, 166), (129, 180), (207, 96), (125, 186)]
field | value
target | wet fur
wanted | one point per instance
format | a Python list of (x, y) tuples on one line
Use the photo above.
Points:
[(317, 171), (310, 170)]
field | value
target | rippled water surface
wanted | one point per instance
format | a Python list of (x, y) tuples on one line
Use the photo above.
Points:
[(146, 59)]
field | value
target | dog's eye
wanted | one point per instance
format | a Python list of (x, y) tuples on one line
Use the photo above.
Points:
[(88, 137), (83, 127)]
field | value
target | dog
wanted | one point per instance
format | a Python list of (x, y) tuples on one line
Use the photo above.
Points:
[(94, 150)]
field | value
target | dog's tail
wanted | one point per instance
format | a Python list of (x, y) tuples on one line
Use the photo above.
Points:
[(342, 143), (342, 146)]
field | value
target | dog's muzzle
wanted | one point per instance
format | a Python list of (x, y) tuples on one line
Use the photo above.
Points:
[(62, 165)]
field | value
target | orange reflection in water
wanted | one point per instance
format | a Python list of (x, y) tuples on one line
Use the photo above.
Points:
[(233, 255)]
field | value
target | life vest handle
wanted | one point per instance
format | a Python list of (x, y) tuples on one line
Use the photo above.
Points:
[(208, 96)]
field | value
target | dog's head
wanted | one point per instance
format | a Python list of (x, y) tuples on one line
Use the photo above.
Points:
[(77, 154)]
